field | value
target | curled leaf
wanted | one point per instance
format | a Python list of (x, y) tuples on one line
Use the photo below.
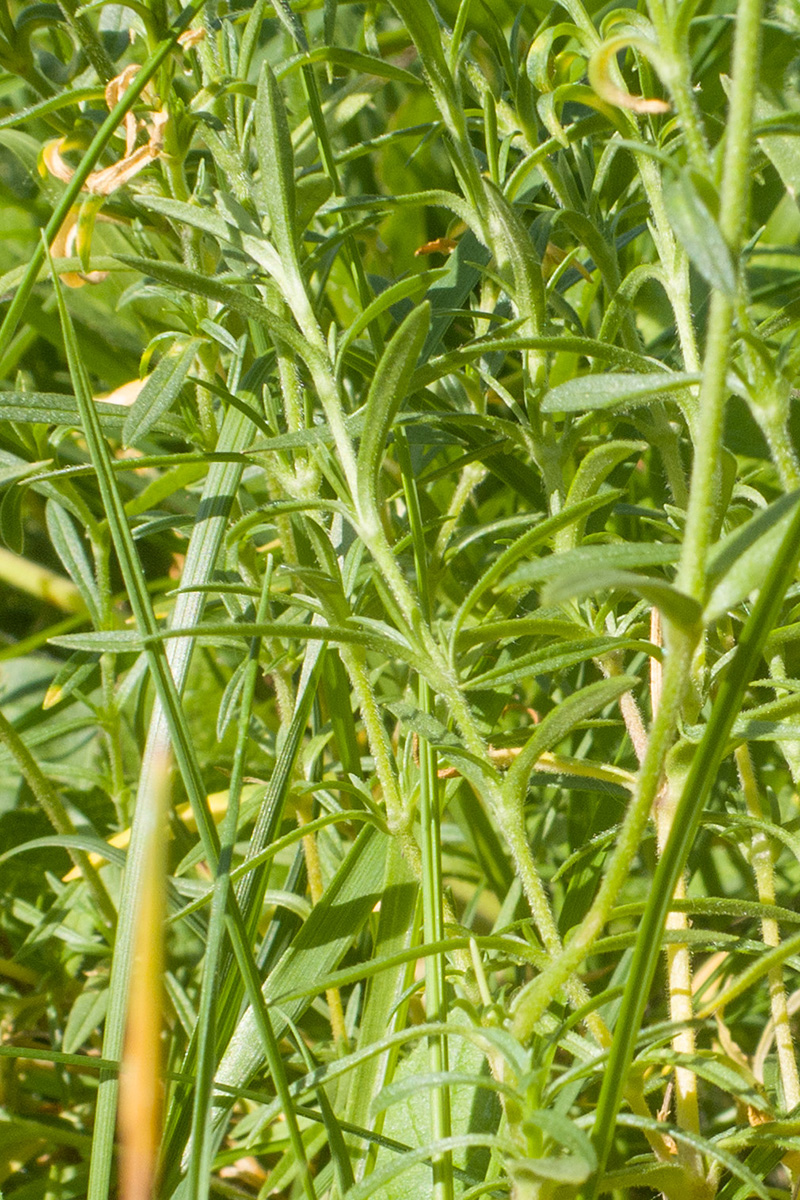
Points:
[(74, 231), (600, 74)]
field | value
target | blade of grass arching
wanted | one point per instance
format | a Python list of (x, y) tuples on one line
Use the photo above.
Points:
[(87, 165), (699, 781), (429, 814)]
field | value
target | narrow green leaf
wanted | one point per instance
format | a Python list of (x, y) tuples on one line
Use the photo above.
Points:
[(596, 466), (551, 658), (609, 391), (70, 675), (391, 295), (567, 1171), (72, 553), (698, 231), (160, 392), (739, 563), (781, 149), (676, 606), (387, 392), (731, 1077), (588, 559), (55, 408), (556, 725), (419, 18), (110, 641), (352, 60), (711, 1149), (454, 360), (12, 528), (274, 145), (541, 532), (86, 1014), (235, 298)]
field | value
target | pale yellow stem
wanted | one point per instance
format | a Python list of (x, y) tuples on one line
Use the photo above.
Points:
[(679, 960)]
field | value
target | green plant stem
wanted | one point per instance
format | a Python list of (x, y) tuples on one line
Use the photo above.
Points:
[(697, 786), (93, 47), (535, 998), (774, 426), (678, 79), (398, 819), (734, 204)]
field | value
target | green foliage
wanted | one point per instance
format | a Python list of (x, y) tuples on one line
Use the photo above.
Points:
[(397, 461)]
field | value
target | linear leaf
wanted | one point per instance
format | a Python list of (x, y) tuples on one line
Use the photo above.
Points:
[(699, 233), (541, 532), (739, 564), (390, 296), (551, 658), (72, 553), (588, 559), (274, 145), (387, 392), (160, 391), (679, 608), (558, 723), (609, 391)]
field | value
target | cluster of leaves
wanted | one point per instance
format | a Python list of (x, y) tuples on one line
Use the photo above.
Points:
[(396, 436)]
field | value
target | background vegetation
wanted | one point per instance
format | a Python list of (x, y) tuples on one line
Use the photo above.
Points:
[(399, 610)]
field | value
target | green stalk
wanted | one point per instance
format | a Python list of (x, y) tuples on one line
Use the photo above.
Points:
[(697, 787), (734, 204), (536, 997), (678, 78)]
